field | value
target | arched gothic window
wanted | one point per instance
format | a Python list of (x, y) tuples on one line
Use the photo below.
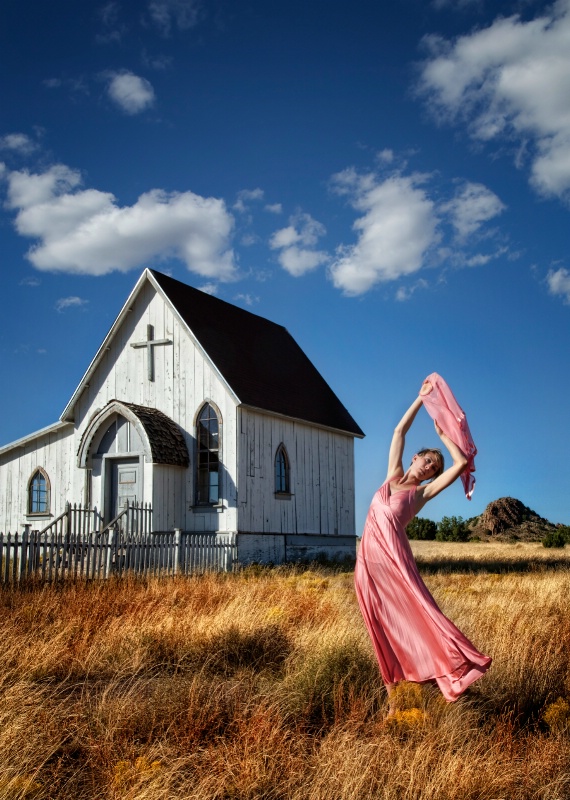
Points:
[(38, 493), (282, 483), (208, 461), (121, 437)]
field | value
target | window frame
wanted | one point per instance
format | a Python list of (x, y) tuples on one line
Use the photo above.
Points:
[(282, 472), (32, 493), (207, 456)]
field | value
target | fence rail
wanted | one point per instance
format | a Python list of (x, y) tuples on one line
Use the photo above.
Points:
[(76, 519), (125, 546)]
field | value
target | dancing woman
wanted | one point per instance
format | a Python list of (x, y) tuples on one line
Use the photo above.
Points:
[(413, 640)]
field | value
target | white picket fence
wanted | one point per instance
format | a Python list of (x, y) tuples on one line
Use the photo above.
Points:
[(66, 549)]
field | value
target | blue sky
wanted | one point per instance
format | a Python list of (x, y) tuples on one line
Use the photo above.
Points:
[(389, 180)]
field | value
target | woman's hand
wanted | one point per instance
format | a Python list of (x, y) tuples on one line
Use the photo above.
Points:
[(438, 429), (426, 388)]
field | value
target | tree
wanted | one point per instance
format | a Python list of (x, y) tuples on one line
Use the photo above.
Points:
[(420, 528), (556, 538), (452, 529)]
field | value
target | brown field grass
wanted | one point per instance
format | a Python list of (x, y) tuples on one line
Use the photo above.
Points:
[(263, 685)]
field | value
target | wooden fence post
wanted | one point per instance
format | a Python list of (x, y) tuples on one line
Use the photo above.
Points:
[(26, 551), (23, 553), (112, 538), (177, 542)]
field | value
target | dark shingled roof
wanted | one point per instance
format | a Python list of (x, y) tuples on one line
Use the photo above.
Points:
[(166, 441), (259, 359)]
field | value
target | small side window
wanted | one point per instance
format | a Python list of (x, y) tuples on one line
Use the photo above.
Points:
[(282, 477), (39, 493)]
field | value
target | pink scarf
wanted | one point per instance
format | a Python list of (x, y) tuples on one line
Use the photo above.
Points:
[(442, 406)]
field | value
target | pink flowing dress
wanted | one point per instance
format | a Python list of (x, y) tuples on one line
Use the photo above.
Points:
[(413, 640)]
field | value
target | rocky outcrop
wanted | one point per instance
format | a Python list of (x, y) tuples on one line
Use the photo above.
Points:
[(507, 517)]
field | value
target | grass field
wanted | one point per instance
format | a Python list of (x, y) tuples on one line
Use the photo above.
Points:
[(263, 685)]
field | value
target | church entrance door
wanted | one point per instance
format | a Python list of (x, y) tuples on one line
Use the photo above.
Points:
[(123, 483)]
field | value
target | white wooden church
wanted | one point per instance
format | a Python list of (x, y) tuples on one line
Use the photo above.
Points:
[(210, 414)]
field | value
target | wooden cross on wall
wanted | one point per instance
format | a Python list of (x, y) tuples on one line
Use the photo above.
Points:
[(149, 344)]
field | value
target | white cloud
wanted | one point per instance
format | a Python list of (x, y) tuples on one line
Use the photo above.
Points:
[(183, 14), (209, 288), (405, 292), (296, 243), (130, 92), (28, 190), (85, 231), (286, 237), (249, 239), (297, 261), (559, 283), (245, 196), (248, 299), (159, 62), (30, 281), (479, 259), (551, 168), (76, 85), (396, 229), (113, 29), (69, 302), (303, 230), (510, 80), (473, 205), (385, 156), (274, 208), (17, 142)]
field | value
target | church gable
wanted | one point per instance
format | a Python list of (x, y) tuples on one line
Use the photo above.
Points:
[(150, 361)]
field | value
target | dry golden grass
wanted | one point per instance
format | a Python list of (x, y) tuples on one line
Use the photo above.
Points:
[(263, 685), (489, 556)]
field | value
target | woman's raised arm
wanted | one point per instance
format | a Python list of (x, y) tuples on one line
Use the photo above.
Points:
[(446, 478), (395, 466)]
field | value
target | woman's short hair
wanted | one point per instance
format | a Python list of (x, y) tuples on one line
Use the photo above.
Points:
[(439, 456)]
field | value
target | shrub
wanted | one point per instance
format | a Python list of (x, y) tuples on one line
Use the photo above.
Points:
[(554, 538), (326, 681), (263, 648), (127, 774), (557, 716), (406, 696), (452, 529), (408, 721), (420, 528)]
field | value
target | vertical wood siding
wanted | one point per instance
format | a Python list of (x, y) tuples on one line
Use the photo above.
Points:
[(55, 454), (322, 477)]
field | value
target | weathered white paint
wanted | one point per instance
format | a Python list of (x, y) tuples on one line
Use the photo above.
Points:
[(264, 548), (54, 452)]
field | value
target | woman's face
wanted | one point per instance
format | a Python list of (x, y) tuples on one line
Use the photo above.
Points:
[(426, 465)]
